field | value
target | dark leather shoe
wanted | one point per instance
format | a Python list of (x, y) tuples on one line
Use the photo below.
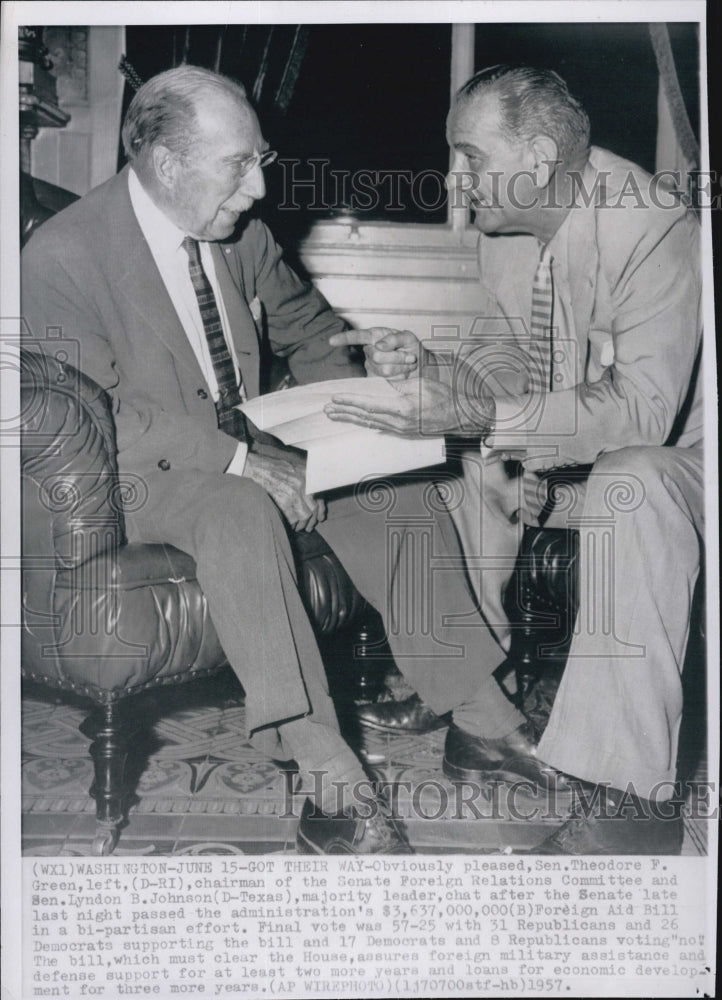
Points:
[(319, 833), (408, 716), (512, 758), (612, 824)]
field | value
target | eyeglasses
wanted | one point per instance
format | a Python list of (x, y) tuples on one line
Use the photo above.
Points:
[(257, 160)]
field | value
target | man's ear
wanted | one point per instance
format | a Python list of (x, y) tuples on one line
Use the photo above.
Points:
[(165, 166), (545, 154)]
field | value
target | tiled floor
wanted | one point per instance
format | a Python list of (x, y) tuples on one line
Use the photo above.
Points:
[(204, 790)]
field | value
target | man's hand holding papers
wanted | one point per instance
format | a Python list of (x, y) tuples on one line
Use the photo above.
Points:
[(339, 455), (283, 477)]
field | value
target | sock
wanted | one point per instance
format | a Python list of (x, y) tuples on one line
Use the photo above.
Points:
[(337, 778), (468, 717)]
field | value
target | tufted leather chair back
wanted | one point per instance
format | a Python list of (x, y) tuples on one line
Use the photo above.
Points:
[(68, 451), (101, 617)]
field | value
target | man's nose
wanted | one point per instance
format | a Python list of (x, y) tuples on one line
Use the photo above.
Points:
[(254, 184), (457, 167), (461, 182)]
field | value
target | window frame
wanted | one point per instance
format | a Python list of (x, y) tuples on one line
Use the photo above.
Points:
[(403, 239)]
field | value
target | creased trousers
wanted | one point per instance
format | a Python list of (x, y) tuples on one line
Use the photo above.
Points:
[(617, 712), (397, 543)]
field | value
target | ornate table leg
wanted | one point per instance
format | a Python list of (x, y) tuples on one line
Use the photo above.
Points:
[(111, 729)]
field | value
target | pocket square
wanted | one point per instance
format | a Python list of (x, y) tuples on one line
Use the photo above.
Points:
[(256, 309), (606, 357)]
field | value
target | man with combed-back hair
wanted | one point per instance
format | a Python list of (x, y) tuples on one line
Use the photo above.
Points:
[(533, 102), (586, 353), (171, 289)]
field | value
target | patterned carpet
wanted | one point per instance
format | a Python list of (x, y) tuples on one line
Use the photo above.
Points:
[(202, 789)]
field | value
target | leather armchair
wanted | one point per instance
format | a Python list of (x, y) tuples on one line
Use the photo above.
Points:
[(102, 618), (541, 602), (107, 620)]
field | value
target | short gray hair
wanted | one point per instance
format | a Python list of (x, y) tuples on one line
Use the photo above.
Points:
[(533, 102), (163, 112)]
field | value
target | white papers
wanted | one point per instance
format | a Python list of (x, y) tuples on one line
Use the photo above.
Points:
[(339, 454), (340, 460)]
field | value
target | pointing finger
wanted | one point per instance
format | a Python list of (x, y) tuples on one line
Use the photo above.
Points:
[(357, 338)]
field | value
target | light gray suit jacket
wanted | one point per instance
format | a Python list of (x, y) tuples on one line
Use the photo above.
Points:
[(633, 267)]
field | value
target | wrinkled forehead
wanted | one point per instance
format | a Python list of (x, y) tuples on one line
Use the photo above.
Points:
[(227, 122)]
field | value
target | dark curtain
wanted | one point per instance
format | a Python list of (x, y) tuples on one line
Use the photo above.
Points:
[(265, 58)]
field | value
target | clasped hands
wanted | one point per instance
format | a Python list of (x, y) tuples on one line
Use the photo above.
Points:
[(426, 404)]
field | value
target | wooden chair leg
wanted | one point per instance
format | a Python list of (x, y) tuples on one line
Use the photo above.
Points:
[(371, 657), (111, 729)]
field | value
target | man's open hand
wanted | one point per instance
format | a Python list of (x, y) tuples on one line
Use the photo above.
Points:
[(284, 480), (393, 354), (422, 407)]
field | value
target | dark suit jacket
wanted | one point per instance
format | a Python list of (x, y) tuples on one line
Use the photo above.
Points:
[(90, 272)]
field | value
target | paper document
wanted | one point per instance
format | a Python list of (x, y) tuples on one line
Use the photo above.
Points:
[(339, 454)]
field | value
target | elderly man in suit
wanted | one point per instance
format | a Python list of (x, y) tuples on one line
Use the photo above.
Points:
[(587, 353), (168, 285)]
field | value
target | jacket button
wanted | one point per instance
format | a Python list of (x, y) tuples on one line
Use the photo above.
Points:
[(202, 393), (164, 464)]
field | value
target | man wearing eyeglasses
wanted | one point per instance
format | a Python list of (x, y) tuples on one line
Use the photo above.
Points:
[(170, 290)]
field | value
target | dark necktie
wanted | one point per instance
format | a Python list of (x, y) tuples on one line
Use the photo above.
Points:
[(542, 317), (229, 420)]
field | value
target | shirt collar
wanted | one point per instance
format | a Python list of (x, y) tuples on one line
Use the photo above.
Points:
[(161, 234)]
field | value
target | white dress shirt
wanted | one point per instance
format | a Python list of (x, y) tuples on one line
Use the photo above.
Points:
[(165, 240)]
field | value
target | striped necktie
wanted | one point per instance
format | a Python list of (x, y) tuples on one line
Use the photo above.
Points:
[(229, 420), (542, 318), (540, 373)]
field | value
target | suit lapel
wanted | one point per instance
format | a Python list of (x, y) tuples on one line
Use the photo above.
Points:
[(139, 278), (147, 296), (512, 261), (583, 263), (507, 265)]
